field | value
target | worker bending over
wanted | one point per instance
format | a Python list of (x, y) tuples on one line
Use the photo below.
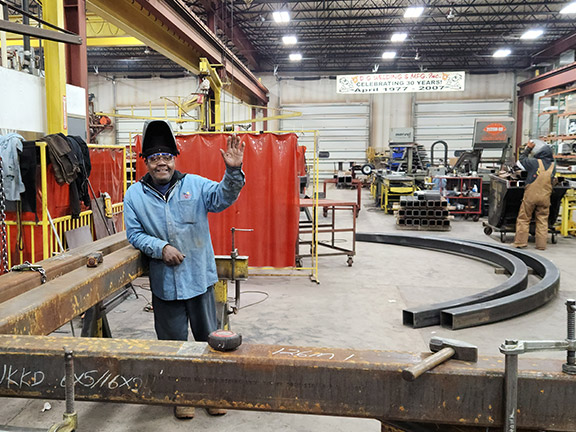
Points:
[(166, 217), (540, 170)]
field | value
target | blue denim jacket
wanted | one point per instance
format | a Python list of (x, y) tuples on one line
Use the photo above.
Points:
[(10, 146), (180, 220)]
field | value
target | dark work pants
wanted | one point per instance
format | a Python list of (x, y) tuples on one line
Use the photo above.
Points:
[(171, 318)]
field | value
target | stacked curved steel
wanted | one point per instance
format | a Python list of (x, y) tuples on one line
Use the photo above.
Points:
[(509, 299)]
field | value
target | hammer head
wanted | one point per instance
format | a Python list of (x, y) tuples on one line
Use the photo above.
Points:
[(462, 350)]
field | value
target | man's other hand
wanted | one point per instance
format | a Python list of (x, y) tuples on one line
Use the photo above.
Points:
[(172, 256), (234, 153)]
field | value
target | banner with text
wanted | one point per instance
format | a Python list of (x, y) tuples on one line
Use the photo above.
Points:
[(401, 82)]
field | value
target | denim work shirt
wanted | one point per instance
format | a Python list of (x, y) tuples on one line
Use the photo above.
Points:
[(10, 146), (181, 220)]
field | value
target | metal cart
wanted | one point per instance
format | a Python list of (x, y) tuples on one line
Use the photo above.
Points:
[(504, 204)]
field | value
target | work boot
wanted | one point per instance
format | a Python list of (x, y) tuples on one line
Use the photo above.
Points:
[(216, 411), (519, 246), (184, 412)]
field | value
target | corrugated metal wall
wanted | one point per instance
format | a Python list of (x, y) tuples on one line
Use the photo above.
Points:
[(453, 122), (343, 131)]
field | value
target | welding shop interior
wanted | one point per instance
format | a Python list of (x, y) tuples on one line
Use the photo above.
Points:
[(368, 274)]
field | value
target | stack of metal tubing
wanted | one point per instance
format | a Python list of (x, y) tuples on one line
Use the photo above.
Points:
[(509, 299), (426, 212)]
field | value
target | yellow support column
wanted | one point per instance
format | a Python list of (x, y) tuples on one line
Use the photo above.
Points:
[(55, 67)]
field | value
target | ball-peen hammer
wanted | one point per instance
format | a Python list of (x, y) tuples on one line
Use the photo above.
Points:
[(443, 350)]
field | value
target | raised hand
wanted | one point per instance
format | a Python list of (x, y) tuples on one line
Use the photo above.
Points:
[(234, 153)]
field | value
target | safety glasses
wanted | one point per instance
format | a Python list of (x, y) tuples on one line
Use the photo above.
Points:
[(165, 157)]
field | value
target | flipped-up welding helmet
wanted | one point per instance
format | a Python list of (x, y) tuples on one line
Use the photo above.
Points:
[(158, 137)]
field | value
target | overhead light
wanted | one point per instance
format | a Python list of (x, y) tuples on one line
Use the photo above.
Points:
[(388, 54), (451, 14), (532, 34), (289, 40), (569, 8), (399, 37), (295, 57), (281, 16), (503, 52), (417, 56), (413, 12)]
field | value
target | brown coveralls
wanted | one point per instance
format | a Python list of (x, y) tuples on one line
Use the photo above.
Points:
[(536, 200)]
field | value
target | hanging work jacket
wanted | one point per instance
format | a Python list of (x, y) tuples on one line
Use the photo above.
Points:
[(10, 146)]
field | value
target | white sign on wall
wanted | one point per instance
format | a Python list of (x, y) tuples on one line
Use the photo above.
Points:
[(406, 82)]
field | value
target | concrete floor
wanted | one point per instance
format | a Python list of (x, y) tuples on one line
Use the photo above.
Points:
[(370, 295)]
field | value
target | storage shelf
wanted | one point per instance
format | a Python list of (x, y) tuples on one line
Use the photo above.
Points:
[(559, 138), (558, 93)]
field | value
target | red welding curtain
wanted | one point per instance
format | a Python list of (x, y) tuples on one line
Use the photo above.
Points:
[(268, 203)]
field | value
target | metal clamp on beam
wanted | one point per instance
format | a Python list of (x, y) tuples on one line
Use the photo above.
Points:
[(512, 348)]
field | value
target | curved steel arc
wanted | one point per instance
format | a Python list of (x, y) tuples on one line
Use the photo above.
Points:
[(430, 315), (513, 305)]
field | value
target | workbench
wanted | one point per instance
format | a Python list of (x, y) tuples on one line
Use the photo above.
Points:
[(307, 228), (355, 182)]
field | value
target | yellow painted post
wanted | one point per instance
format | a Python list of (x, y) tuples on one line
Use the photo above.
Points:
[(217, 107), (55, 65), (44, 189)]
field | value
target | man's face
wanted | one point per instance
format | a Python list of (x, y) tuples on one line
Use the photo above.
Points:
[(160, 167)]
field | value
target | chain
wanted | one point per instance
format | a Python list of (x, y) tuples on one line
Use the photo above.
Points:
[(3, 241), (27, 266)]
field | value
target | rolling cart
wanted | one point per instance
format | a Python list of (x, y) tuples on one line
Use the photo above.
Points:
[(505, 199)]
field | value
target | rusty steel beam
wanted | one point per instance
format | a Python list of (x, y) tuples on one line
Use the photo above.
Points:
[(170, 28), (555, 78), (16, 283), (48, 307), (327, 381)]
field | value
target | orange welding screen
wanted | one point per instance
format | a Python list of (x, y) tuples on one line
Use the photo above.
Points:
[(268, 204)]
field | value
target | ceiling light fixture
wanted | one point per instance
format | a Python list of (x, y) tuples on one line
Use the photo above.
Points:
[(569, 8), (388, 54), (532, 34), (451, 14), (281, 16), (295, 57), (503, 52), (417, 56), (399, 37), (289, 40), (413, 12)]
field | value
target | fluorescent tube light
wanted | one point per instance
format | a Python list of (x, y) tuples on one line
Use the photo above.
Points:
[(281, 16), (388, 54), (413, 12), (532, 34), (399, 37), (289, 40), (570, 8), (503, 52), (295, 57)]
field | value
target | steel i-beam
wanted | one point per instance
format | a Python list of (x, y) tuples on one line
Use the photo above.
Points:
[(327, 381)]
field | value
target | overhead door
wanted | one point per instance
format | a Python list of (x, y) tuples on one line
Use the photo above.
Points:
[(453, 122), (344, 132)]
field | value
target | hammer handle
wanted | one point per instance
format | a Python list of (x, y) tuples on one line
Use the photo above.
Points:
[(411, 373)]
